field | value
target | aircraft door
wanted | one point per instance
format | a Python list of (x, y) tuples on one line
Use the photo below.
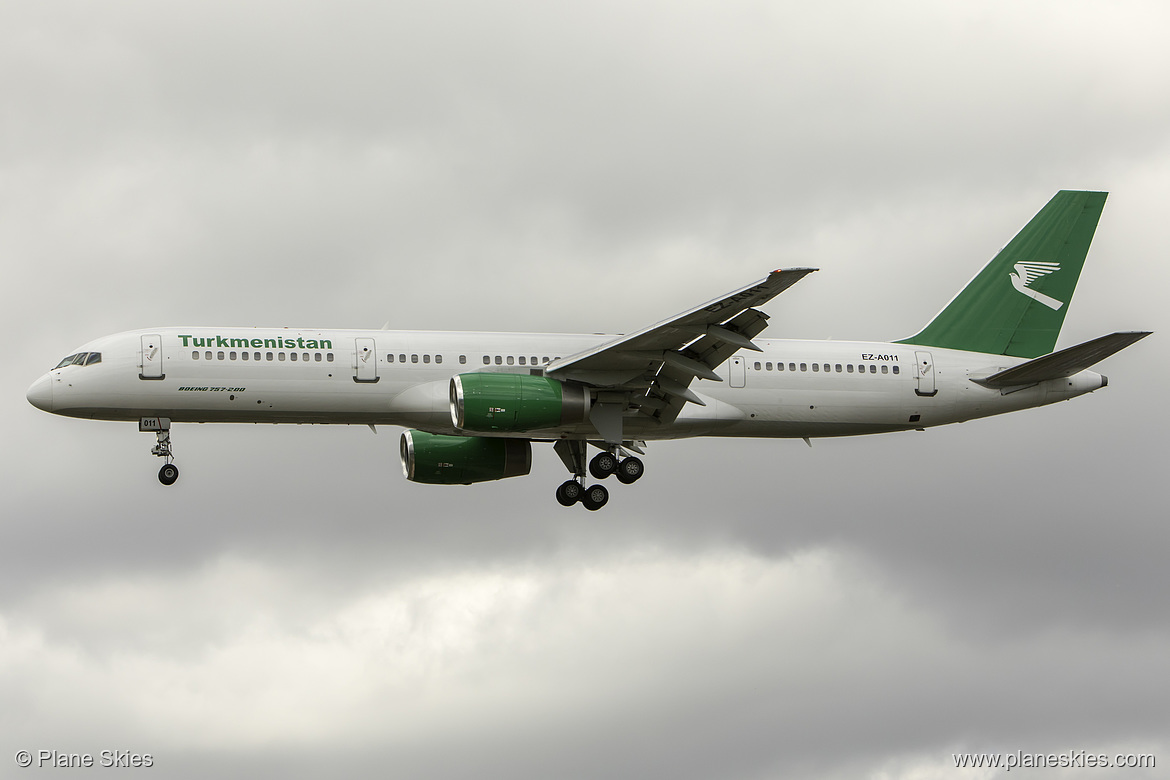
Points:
[(925, 374), (366, 361), (150, 360), (738, 372)]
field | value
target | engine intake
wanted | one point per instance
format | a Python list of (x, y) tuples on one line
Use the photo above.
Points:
[(433, 459), (515, 402)]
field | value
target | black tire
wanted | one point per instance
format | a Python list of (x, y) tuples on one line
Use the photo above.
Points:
[(603, 464), (168, 474), (569, 493), (630, 470), (595, 497)]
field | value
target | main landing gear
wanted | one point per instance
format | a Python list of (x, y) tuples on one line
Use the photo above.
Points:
[(605, 463), (161, 427)]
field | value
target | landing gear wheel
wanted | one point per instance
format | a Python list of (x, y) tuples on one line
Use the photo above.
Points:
[(168, 474), (570, 493), (603, 464), (595, 498), (630, 470)]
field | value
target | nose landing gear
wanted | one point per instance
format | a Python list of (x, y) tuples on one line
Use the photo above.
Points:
[(161, 427), (168, 474)]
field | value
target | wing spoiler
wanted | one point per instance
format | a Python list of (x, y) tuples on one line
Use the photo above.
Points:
[(1064, 363)]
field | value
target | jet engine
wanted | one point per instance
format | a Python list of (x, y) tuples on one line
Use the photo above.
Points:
[(515, 402), (461, 460)]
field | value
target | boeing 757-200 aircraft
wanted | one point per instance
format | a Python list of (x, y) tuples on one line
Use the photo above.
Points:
[(475, 402)]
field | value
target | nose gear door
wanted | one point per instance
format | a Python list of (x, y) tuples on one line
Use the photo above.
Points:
[(150, 360)]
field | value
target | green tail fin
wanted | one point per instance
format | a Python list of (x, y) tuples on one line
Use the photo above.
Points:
[(1017, 303)]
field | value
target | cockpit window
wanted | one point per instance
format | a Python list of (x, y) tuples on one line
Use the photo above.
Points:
[(80, 359)]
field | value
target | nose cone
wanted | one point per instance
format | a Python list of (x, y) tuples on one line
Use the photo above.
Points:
[(40, 394)]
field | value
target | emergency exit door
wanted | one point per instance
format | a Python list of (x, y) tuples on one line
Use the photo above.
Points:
[(925, 374), (151, 360), (738, 372), (366, 361)]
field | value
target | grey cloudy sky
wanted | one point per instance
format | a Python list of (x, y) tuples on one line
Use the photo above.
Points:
[(750, 609)]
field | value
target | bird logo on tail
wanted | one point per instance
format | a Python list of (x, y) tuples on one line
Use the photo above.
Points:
[(1028, 271)]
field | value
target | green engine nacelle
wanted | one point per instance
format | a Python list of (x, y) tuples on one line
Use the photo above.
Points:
[(461, 460), (515, 402)]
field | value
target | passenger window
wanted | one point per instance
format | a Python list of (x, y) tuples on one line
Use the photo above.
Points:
[(791, 366), (329, 357), (268, 356), (804, 366), (426, 358), (827, 368), (243, 355), (896, 370), (499, 360), (207, 354), (316, 357), (757, 366), (767, 366), (462, 359), (534, 360), (280, 356), (486, 360), (390, 358), (292, 356), (195, 355), (873, 369), (511, 360), (414, 358), (848, 368), (837, 368), (231, 355), (885, 369), (219, 356), (816, 366), (523, 360), (401, 358), (438, 358), (255, 355)]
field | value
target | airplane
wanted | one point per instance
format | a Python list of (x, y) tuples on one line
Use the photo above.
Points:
[(474, 403)]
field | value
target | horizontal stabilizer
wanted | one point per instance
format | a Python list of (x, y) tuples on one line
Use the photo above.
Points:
[(1064, 363)]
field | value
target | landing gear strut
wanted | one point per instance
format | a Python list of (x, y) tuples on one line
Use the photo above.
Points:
[(606, 462), (161, 427)]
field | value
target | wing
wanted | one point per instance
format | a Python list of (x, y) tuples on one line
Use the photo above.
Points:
[(650, 371)]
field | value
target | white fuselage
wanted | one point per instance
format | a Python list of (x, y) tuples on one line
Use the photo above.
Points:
[(381, 377)]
